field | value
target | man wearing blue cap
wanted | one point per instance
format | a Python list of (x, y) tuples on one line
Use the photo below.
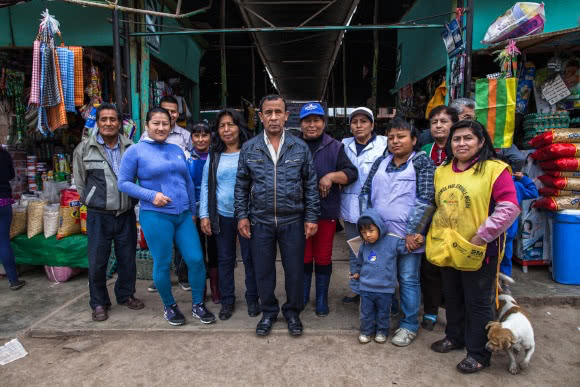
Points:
[(333, 168)]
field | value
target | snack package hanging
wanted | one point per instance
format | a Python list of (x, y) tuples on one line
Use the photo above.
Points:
[(18, 224), (567, 135), (550, 191), (567, 183), (520, 20), (557, 151), (563, 164), (69, 222), (35, 217), (495, 101), (558, 203)]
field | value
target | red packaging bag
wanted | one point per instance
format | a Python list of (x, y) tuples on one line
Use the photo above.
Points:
[(563, 164), (550, 191), (555, 136), (556, 151), (567, 183), (558, 203), (69, 220), (563, 173)]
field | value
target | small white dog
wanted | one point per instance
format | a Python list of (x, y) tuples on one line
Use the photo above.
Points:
[(512, 333)]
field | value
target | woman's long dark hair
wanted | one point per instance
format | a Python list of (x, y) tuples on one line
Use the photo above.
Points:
[(217, 145), (487, 151)]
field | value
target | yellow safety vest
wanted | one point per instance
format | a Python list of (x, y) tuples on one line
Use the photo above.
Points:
[(462, 200)]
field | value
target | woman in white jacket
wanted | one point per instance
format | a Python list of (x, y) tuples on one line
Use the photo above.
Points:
[(362, 149)]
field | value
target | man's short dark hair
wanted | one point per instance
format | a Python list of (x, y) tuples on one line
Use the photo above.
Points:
[(272, 97), (107, 106), (168, 99), (450, 111)]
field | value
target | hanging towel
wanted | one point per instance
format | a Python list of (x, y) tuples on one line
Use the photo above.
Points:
[(78, 78), (35, 84), (50, 95), (66, 64), (57, 114)]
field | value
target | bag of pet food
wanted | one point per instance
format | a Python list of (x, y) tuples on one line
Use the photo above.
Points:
[(562, 173), (61, 273), (557, 151), (69, 220), (83, 212), (532, 232), (520, 20), (556, 136), (35, 217), (567, 183), (557, 203), (18, 224), (50, 219), (563, 164), (550, 191)]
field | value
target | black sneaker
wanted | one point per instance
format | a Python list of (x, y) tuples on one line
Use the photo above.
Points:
[(17, 285), (202, 313), (173, 315), (254, 308), (226, 312), (152, 288)]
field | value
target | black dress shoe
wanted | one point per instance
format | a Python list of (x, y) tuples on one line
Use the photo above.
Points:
[(351, 300), (264, 327), (444, 346), (428, 324), (226, 312), (295, 326), (253, 308), (469, 365)]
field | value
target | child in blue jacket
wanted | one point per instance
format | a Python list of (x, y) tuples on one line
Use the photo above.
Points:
[(377, 272), (525, 190), (201, 140)]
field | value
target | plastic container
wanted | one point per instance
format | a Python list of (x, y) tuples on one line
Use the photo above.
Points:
[(565, 235)]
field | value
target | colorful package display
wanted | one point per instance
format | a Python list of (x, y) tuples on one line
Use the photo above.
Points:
[(567, 183), (550, 191), (525, 87), (563, 164), (532, 232), (495, 101), (83, 215), (563, 173), (69, 222), (557, 203), (556, 151), (556, 136), (521, 20)]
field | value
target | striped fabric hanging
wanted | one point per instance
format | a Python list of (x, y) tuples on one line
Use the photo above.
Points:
[(495, 101)]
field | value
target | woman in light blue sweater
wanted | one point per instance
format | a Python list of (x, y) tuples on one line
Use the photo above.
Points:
[(167, 198), (217, 210)]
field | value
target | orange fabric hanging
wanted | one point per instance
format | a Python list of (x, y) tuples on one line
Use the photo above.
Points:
[(79, 78), (57, 114)]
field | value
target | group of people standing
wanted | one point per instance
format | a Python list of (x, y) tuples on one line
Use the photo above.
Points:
[(432, 220)]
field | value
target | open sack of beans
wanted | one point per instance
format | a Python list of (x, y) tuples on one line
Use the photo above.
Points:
[(35, 217)]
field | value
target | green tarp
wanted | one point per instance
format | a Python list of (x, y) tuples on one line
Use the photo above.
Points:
[(38, 250)]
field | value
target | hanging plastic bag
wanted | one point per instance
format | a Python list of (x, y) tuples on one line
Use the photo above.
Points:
[(520, 20)]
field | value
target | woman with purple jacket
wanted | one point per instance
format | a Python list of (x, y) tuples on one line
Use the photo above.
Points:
[(400, 188)]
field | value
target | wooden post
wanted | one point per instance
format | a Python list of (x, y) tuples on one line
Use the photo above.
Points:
[(224, 79)]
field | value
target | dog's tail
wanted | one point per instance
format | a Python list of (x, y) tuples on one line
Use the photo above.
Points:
[(506, 278)]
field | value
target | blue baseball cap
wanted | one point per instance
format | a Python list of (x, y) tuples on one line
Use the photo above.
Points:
[(311, 108)]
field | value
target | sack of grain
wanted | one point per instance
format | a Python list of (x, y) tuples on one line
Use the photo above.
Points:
[(69, 222), (35, 217), (563, 164), (18, 224), (556, 151), (557, 203), (555, 136), (563, 173), (50, 219), (567, 183)]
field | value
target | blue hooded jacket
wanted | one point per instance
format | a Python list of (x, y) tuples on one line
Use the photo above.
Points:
[(377, 262)]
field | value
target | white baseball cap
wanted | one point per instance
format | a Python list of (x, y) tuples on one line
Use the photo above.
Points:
[(363, 110)]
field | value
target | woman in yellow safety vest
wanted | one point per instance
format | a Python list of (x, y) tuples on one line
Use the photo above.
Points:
[(476, 203)]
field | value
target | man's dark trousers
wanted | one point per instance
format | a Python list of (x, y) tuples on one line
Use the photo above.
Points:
[(290, 238), (102, 229)]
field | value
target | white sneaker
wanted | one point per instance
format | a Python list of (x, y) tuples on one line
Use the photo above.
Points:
[(380, 338), (403, 337), (363, 339)]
